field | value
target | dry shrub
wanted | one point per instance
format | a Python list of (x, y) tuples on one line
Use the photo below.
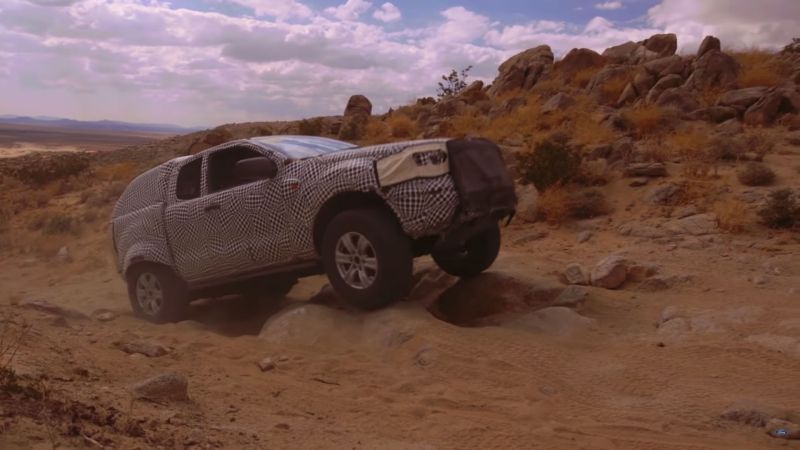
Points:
[(467, 125), (782, 210), (586, 131), (552, 161), (549, 86), (733, 216), (53, 222), (756, 174), (758, 142), (402, 126), (376, 132), (587, 204), (708, 95), (645, 120), (593, 173), (553, 205), (582, 77), (123, 171), (310, 127), (38, 169), (759, 68)]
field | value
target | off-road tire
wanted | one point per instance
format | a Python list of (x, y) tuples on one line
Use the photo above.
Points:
[(474, 256), (391, 248), (175, 299)]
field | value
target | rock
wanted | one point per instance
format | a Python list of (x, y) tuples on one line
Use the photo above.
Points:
[(266, 364), (656, 284), (621, 54), (652, 170), (63, 256), (530, 237), (643, 82), (528, 199), (149, 349), (696, 225), (558, 102), (473, 93), (508, 107), (759, 280), (677, 98), (575, 274), (610, 273), (571, 297), (579, 59), (709, 43), (662, 44), (782, 429), (674, 328), (584, 236), (730, 127), (715, 114), (766, 110), (668, 82), (555, 321), (608, 75), (671, 65), (168, 386), (636, 229), (104, 315), (621, 150), (742, 99), (356, 115), (713, 69), (639, 182), (686, 211), (628, 95), (750, 413), (669, 313), (663, 194), (307, 324), (49, 308), (522, 71)]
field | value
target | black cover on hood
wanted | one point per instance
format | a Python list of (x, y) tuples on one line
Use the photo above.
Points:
[(481, 178)]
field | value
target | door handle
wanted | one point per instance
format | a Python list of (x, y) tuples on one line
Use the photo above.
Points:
[(212, 207)]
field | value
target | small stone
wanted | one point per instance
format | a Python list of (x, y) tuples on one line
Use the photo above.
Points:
[(650, 170), (610, 273), (575, 274), (759, 280), (783, 429), (639, 182), (584, 236), (654, 284), (49, 308), (149, 349), (669, 313), (104, 315), (63, 256), (266, 364), (168, 386), (283, 358), (572, 296)]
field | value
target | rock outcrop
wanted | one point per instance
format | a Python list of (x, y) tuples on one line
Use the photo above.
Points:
[(356, 115), (522, 71)]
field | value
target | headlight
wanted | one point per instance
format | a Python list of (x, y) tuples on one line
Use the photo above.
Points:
[(417, 161)]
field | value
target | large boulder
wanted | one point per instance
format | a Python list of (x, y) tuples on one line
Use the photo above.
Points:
[(643, 82), (767, 109), (621, 54), (522, 71), (356, 115), (558, 102), (678, 98), (715, 114), (579, 59), (473, 93), (709, 43), (742, 99), (603, 84), (668, 82), (670, 65), (661, 44), (713, 69)]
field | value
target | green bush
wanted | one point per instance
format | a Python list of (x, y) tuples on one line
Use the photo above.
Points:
[(781, 210), (552, 161)]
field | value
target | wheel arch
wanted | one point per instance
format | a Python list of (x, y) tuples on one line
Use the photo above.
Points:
[(344, 201)]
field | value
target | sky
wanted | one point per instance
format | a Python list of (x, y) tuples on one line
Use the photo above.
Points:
[(209, 62)]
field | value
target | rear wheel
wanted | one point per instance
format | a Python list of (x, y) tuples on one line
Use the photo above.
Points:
[(157, 294), (367, 257), (471, 257)]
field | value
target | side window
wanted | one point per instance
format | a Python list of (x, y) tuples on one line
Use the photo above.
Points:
[(188, 184), (221, 165)]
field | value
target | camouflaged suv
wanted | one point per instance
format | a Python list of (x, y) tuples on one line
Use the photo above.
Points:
[(256, 214)]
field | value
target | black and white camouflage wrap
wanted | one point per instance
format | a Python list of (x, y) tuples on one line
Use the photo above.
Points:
[(266, 223)]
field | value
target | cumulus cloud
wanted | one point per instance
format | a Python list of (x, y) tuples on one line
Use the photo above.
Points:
[(387, 13), (351, 10), (739, 23), (608, 6), (284, 59)]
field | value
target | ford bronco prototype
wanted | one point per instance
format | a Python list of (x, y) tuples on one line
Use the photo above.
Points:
[(254, 215)]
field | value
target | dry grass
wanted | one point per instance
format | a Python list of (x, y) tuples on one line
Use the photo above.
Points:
[(582, 77), (733, 216), (756, 174), (553, 205), (402, 126), (468, 125), (376, 132), (759, 68), (611, 90), (645, 120)]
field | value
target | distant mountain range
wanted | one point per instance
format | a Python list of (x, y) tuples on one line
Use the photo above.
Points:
[(102, 125)]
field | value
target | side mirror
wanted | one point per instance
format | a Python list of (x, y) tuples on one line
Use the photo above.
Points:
[(255, 169)]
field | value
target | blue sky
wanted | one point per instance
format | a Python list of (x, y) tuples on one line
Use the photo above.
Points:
[(206, 62)]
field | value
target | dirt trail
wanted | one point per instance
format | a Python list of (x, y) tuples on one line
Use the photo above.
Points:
[(403, 379)]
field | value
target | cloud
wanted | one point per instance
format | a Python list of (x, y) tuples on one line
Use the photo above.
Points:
[(351, 10), (281, 9), (608, 6), (738, 23), (387, 13)]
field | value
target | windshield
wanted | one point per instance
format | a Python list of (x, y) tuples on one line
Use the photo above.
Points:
[(299, 147)]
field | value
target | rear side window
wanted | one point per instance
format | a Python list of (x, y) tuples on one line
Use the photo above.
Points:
[(221, 165), (188, 185)]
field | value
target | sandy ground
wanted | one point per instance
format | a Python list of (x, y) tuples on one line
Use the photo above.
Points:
[(24, 148), (493, 376)]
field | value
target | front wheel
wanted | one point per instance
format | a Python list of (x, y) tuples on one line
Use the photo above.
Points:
[(471, 257), (157, 294), (367, 257)]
